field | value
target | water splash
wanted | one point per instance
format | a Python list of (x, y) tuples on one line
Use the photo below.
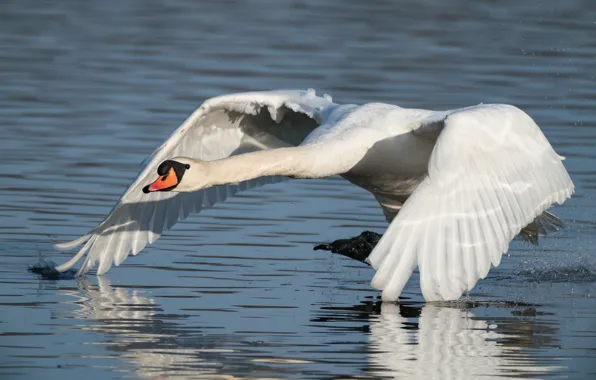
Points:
[(47, 270), (575, 274)]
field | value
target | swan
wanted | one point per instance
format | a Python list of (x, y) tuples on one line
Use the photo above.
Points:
[(456, 186)]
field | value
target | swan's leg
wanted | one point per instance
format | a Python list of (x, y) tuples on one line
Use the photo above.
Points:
[(357, 248)]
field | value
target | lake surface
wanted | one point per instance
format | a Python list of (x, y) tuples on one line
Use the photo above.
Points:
[(89, 89)]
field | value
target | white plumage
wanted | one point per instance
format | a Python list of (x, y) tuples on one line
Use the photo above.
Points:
[(457, 185), (491, 173)]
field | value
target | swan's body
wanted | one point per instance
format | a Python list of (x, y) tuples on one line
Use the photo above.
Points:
[(457, 185)]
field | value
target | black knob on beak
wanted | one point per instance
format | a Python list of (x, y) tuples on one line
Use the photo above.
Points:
[(164, 167)]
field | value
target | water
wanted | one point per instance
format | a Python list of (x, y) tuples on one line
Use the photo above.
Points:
[(88, 89)]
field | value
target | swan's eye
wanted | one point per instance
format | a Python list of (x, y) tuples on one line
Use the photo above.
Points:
[(187, 166)]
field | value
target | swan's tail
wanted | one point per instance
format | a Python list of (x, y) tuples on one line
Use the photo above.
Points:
[(541, 226), (85, 240)]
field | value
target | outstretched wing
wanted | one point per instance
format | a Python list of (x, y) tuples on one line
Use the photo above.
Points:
[(491, 173), (219, 128)]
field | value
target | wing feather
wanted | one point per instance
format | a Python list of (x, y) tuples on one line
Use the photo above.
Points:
[(221, 127), (491, 173)]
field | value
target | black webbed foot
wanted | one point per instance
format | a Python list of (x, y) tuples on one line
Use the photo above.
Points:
[(357, 248)]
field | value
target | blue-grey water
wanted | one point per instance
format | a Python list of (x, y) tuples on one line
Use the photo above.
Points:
[(88, 89)]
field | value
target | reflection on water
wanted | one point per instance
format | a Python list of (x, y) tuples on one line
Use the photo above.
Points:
[(153, 347), (407, 340), (88, 89), (447, 343)]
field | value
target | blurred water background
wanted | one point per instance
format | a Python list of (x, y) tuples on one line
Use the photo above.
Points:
[(88, 89)]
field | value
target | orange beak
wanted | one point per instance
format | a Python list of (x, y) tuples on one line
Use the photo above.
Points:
[(163, 183)]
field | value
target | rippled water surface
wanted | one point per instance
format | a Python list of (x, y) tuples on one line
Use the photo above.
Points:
[(88, 89)]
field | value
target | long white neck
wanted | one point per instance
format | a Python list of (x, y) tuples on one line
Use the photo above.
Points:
[(311, 161)]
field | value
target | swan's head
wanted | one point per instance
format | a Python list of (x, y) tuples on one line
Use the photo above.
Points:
[(176, 174)]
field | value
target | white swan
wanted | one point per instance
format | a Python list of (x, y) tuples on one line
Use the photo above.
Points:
[(472, 178)]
